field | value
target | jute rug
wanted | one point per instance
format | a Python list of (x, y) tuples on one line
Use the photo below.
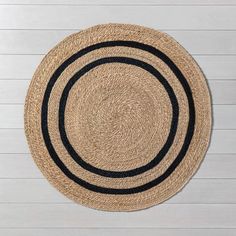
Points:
[(118, 117)]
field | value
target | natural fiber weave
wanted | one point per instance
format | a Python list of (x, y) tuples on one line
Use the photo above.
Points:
[(118, 117)]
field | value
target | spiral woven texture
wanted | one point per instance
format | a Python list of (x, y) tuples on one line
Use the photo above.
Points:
[(118, 117)]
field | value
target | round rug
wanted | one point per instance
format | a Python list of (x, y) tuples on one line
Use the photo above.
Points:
[(118, 117)]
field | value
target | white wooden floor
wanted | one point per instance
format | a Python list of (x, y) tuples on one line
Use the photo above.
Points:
[(29, 206)]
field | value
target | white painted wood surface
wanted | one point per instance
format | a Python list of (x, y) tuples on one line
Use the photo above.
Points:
[(11, 115), (21, 166), (29, 205), (116, 232), (14, 91), (214, 66), (43, 215), (77, 17)]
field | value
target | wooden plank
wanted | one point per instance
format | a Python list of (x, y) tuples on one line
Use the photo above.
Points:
[(13, 141), (17, 66), (186, 17), (14, 91), (206, 42), (217, 166), (222, 141), (224, 116), (19, 166), (119, 2), (29, 191), (22, 166), (23, 66), (207, 191), (41, 41), (12, 116), (223, 92), (187, 216), (30, 41), (197, 191), (217, 66), (117, 232)]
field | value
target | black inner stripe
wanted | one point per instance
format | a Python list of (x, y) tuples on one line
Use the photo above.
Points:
[(165, 148), (189, 134)]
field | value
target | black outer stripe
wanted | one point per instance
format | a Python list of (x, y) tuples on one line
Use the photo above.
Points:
[(164, 149), (190, 129)]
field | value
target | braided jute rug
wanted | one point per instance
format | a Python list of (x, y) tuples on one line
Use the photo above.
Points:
[(118, 117)]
